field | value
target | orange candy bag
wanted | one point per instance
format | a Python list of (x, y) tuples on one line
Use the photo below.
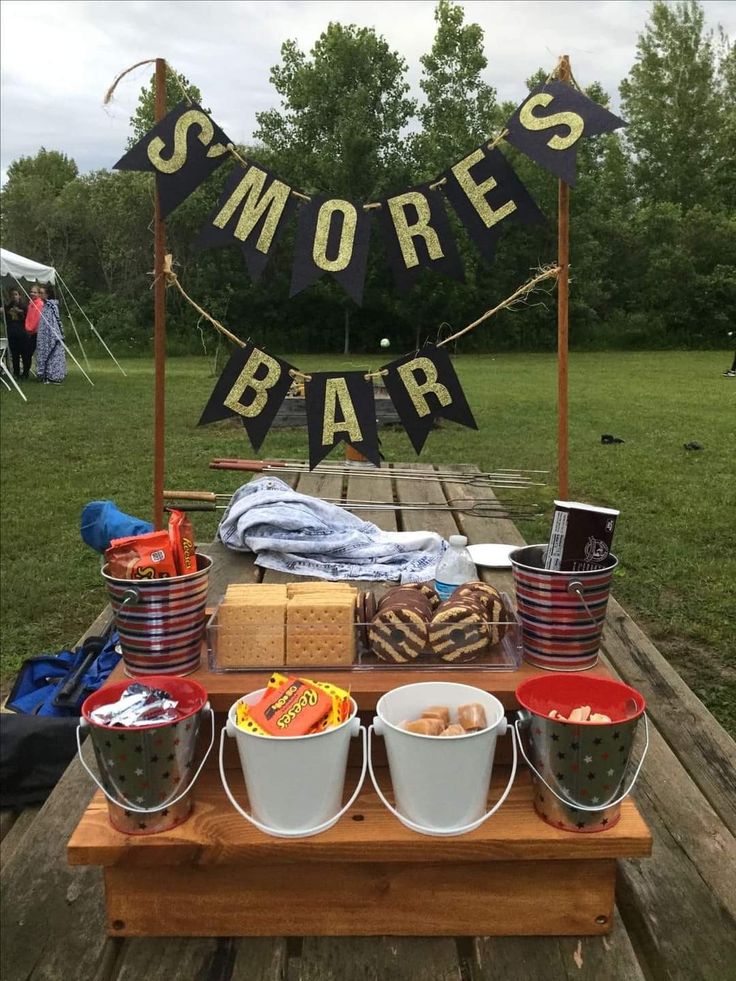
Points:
[(141, 557)]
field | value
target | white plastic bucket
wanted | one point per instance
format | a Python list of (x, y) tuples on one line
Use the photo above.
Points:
[(440, 783), (294, 783)]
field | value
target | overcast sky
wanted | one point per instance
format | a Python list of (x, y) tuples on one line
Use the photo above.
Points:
[(58, 58)]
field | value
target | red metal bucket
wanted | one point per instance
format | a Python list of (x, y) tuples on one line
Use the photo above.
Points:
[(561, 613), (579, 770)]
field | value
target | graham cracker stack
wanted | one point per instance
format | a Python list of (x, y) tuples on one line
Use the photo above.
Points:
[(320, 626), (252, 626)]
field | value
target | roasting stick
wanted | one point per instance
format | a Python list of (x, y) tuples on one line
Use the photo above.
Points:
[(208, 501), (477, 480), (299, 466)]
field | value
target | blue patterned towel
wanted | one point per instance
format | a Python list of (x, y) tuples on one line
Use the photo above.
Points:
[(306, 536)]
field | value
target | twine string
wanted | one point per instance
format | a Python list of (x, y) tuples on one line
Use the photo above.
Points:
[(173, 280), (547, 272)]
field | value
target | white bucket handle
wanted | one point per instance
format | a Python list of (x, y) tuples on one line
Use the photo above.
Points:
[(83, 724), (276, 832), (570, 803), (437, 831)]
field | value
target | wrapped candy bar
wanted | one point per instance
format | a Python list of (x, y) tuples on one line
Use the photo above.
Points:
[(141, 557), (138, 705), (294, 707), (181, 536)]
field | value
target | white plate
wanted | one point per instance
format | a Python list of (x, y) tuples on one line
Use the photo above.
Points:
[(492, 556)]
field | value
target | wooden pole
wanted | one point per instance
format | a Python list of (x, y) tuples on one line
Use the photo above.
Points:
[(159, 324), (563, 295)]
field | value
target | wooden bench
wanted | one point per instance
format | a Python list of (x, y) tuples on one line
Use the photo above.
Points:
[(675, 915)]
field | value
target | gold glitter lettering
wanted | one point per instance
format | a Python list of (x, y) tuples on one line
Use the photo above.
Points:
[(247, 379), (476, 193), (417, 392), (347, 235), (256, 202), (405, 232), (170, 165), (337, 393), (534, 123)]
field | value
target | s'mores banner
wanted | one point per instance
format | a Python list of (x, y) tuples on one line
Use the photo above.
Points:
[(340, 409), (182, 151), (550, 122), (424, 387), (252, 387)]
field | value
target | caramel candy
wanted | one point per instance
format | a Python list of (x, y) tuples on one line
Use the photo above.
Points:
[(437, 712), (424, 727), (472, 717), (453, 730)]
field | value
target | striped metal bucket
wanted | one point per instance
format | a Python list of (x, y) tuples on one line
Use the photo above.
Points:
[(161, 622), (561, 613)]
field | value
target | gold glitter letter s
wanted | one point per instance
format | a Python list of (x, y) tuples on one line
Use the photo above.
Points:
[(247, 379), (256, 203), (336, 391), (347, 236), (192, 117), (476, 193), (416, 391), (406, 232), (570, 119)]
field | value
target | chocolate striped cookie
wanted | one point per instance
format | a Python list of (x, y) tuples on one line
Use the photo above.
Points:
[(489, 600), (425, 589), (398, 634), (457, 632)]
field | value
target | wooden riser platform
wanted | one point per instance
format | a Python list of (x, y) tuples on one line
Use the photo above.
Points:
[(215, 875)]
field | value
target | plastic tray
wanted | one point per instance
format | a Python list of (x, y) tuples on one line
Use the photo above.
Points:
[(312, 640)]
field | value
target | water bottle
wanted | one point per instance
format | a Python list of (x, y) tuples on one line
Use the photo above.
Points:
[(454, 568)]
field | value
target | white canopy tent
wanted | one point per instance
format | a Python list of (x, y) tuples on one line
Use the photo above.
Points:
[(17, 267)]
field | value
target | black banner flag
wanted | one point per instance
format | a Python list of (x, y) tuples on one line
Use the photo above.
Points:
[(341, 409), (485, 191), (332, 236), (423, 387), (418, 235), (252, 386), (549, 123), (252, 211), (182, 151)]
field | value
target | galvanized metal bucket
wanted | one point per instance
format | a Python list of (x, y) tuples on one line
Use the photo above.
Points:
[(561, 613), (161, 622), (579, 770)]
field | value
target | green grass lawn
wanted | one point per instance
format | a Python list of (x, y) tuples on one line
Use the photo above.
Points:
[(676, 536)]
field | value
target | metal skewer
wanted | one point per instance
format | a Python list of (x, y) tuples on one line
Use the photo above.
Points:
[(506, 479)]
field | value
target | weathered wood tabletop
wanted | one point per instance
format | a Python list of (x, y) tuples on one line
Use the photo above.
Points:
[(676, 911)]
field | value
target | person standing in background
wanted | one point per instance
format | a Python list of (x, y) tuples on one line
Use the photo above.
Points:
[(33, 317), (50, 356), (15, 317)]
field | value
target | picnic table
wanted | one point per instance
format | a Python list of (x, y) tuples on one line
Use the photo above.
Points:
[(675, 911)]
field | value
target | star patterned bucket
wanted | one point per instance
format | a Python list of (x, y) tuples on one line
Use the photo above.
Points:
[(579, 770), (146, 771)]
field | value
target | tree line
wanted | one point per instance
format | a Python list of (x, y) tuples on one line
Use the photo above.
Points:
[(653, 216)]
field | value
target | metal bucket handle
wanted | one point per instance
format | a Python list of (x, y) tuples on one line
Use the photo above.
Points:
[(125, 802), (576, 587), (277, 832), (437, 832), (526, 717)]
